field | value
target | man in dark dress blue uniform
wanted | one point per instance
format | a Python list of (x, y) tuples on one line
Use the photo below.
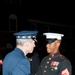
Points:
[(55, 63), (16, 62)]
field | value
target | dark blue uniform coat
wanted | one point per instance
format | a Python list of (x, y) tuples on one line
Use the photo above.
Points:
[(16, 63), (55, 64)]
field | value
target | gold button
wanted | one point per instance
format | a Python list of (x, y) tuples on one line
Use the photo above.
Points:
[(52, 55), (49, 58), (44, 70), (45, 66), (47, 62), (52, 69)]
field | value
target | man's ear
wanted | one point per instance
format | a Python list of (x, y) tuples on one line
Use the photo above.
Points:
[(27, 43), (58, 42)]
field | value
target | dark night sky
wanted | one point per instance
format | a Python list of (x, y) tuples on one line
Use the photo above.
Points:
[(56, 12), (66, 18), (62, 13)]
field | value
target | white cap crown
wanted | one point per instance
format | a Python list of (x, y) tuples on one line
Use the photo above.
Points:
[(53, 36)]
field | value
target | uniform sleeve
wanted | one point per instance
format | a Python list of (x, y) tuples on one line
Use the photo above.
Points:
[(65, 68), (23, 68)]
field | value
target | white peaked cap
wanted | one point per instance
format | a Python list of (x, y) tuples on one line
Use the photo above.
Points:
[(53, 36)]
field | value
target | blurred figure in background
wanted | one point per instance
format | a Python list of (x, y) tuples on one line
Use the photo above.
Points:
[(34, 59)]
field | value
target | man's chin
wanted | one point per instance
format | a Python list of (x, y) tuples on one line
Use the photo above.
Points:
[(31, 52), (48, 52)]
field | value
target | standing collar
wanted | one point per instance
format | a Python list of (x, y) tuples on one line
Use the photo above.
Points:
[(52, 55), (19, 50)]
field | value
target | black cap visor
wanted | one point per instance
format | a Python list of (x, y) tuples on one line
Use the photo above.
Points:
[(51, 40)]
